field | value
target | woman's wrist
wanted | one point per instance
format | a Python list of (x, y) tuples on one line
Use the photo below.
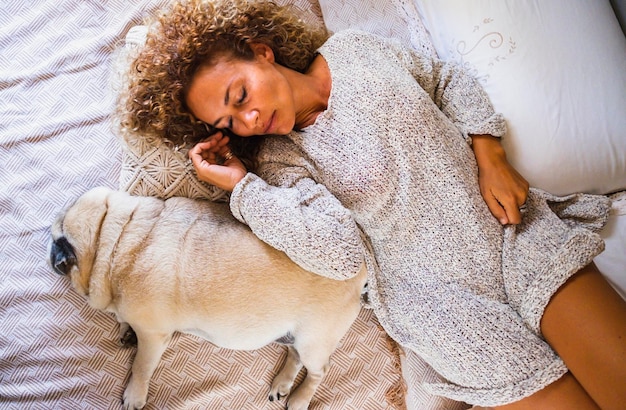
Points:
[(488, 150)]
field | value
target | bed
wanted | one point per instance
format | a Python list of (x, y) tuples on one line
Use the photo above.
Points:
[(567, 133)]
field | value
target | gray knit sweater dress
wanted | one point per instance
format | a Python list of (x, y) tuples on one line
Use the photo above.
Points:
[(386, 175)]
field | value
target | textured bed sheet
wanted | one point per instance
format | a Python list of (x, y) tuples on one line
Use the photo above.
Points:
[(56, 143)]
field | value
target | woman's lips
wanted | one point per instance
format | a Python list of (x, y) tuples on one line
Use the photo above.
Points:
[(270, 124)]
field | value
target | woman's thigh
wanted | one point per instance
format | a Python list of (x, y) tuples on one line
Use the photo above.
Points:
[(585, 322)]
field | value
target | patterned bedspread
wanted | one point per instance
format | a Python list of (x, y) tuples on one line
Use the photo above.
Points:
[(56, 143)]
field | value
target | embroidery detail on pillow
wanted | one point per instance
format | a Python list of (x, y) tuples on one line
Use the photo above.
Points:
[(493, 40)]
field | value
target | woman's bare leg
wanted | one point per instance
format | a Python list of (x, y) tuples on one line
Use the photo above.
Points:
[(585, 323)]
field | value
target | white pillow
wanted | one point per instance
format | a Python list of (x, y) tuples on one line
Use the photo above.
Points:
[(611, 262), (557, 70)]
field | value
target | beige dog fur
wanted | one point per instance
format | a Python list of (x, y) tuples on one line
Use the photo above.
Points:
[(187, 265)]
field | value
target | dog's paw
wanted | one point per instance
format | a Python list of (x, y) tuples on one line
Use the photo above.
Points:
[(279, 391), (275, 396), (297, 406), (134, 400), (298, 401), (129, 404)]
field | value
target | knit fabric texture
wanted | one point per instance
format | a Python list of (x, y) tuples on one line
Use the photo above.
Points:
[(386, 175)]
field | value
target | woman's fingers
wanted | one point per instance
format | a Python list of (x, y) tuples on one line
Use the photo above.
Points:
[(211, 149), (496, 208), (513, 214), (215, 163), (505, 209)]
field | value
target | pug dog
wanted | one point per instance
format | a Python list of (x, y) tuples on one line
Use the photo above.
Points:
[(184, 265)]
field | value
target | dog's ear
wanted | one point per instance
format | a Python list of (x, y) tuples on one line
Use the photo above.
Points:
[(62, 256)]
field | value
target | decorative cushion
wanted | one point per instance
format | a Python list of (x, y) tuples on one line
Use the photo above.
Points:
[(557, 71), (151, 168)]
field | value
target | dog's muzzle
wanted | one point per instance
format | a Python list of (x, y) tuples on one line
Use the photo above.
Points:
[(62, 256)]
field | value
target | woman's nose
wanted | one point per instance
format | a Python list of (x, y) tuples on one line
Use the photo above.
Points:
[(250, 118)]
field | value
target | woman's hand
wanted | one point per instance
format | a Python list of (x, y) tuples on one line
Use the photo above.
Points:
[(215, 163), (502, 187)]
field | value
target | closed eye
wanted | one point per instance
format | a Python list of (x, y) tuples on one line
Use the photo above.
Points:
[(244, 94), (240, 101)]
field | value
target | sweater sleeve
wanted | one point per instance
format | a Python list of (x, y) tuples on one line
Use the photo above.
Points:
[(454, 90), (287, 209)]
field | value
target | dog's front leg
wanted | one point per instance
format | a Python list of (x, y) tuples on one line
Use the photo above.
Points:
[(281, 386), (302, 395), (315, 357), (150, 347)]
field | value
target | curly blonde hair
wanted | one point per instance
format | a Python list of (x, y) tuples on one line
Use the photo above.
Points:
[(190, 34)]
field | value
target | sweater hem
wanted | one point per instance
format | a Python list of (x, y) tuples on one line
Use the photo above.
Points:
[(578, 252), (501, 395)]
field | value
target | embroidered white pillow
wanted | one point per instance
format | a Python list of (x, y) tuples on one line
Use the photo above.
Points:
[(557, 70)]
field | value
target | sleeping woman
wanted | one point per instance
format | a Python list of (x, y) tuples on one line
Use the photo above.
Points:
[(354, 149)]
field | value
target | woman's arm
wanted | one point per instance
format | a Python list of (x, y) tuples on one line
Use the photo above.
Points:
[(303, 220), (462, 99), (286, 208), (453, 89)]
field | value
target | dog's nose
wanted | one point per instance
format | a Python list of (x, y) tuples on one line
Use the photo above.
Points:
[(62, 256)]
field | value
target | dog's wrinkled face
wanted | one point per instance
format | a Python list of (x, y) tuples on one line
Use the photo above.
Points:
[(74, 235)]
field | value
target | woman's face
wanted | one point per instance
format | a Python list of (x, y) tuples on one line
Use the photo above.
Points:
[(247, 97)]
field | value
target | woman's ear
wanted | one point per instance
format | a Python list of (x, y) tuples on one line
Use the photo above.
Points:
[(263, 51)]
